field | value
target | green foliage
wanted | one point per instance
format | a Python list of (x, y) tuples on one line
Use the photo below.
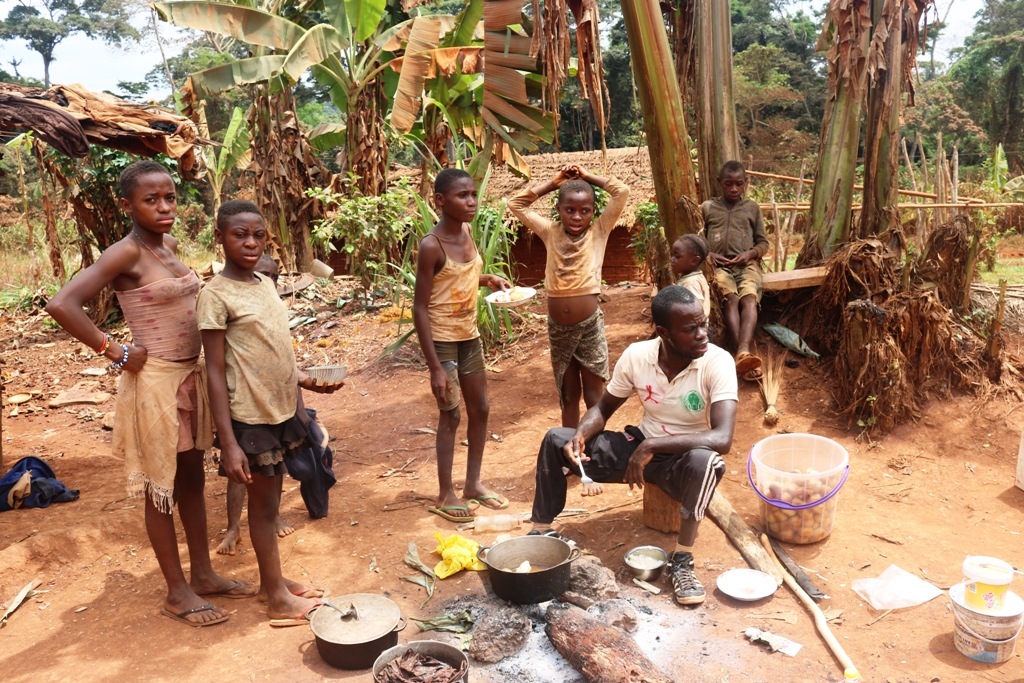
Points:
[(940, 108), (369, 229), (989, 68), (231, 154), (648, 241)]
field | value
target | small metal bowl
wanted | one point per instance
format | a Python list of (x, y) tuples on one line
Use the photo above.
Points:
[(652, 551)]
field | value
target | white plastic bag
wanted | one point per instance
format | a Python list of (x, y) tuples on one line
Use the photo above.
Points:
[(895, 588)]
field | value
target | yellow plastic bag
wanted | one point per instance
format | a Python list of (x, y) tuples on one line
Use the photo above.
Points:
[(457, 553)]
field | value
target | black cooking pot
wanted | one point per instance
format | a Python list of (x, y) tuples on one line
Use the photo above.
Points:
[(354, 637), (550, 558)]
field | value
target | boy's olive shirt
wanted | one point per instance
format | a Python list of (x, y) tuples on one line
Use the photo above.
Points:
[(731, 232)]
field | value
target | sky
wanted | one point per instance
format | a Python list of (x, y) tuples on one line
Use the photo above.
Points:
[(99, 67)]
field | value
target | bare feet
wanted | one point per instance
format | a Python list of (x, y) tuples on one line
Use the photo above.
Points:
[(301, 590), (218, 586), (283, 527), (290, 607), (230, 543), (594, 489)]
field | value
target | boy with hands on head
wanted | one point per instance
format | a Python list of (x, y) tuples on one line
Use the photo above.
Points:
[(575, 246)]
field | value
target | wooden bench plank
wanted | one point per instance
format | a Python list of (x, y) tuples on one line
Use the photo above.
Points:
[(794, 279)]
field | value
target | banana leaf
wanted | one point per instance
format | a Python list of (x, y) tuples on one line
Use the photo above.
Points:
[(251, 26), (242, 72)]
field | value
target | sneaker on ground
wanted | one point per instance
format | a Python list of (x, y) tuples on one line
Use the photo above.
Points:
[(688, 589), (550, 532)]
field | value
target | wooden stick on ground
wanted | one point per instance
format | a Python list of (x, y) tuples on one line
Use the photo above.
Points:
[(819, 617), (742, 536)]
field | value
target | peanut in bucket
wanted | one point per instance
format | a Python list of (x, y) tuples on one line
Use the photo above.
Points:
[(797, 477)]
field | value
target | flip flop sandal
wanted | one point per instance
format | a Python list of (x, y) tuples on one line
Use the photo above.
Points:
[(180, 616), (745, 362), (479, 500), (443, 512), (230, 594), (310, 592), (301, 620), (753, 375)]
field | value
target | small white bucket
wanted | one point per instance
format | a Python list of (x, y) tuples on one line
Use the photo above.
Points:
[(989, 638)]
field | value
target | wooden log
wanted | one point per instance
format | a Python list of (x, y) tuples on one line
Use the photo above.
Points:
[(661, 511), (793, 279), (603, 654), (742, 536)]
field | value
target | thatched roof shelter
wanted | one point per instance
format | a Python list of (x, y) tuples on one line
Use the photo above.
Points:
[(70, 118), (631, 165)]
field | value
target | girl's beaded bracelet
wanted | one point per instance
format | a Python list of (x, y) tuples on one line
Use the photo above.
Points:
[(124, 359)]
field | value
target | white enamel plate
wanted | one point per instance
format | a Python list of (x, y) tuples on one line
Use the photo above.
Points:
[(746, 584)]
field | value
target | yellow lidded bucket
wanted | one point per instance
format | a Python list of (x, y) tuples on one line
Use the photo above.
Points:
[(986, 580)]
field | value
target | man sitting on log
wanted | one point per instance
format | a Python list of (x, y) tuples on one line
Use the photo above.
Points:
[(687, 387)]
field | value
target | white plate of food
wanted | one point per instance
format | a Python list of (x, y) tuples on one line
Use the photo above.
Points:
[(747, 584), (517, 296)]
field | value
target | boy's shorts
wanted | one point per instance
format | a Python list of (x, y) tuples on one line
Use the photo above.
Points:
[(740, 280), (459, 359)]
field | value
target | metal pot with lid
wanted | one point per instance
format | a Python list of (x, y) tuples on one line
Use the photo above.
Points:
[(351, 631)]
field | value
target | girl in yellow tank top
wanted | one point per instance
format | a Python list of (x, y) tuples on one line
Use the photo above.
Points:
[(448, 276)]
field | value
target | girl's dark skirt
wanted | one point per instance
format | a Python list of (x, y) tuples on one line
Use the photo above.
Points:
[(268, 446)]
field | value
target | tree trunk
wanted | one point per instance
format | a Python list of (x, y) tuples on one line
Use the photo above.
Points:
[(285, 167), (847, 35), (668, 143), (50, 213), (881, 151), (603, 654), (367, 147), (715, 110)]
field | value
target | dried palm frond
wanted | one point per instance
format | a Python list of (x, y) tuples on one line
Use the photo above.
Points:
[(771, 384), (943, 264), (863, 269), (871, 381)]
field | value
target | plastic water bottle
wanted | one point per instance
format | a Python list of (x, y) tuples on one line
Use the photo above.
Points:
[(497, 523), (851, 676)]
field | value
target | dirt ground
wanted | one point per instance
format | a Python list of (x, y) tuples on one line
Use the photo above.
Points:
[(921, 497)]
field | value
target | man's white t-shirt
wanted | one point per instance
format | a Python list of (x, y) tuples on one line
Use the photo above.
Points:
[(682, 406)]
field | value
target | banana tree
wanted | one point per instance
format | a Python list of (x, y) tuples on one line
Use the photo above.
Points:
[(233, 154), (891, 64), (450, 80), (513, 79), (846, 36), (348, 55), (714, 108), (667, 140)]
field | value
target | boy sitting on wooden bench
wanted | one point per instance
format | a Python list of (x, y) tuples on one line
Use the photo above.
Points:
[(735, 232)]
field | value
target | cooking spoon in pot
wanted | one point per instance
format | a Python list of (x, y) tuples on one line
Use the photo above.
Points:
[(350, 612)]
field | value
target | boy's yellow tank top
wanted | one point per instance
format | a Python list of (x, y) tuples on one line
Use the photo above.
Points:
[(452, 307)]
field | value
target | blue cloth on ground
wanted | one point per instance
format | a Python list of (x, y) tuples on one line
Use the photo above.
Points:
[(46, 488), (311, 467)]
